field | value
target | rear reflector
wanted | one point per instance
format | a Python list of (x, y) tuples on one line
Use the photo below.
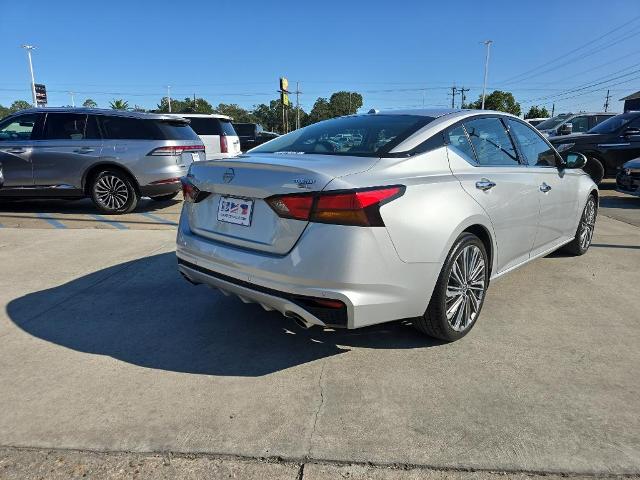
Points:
[(176, 149), (354, 207), (191, 193), (224, 145)]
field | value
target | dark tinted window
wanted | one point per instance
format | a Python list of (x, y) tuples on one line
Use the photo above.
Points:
[(553, 121), (227, 128), (363, 135), (19, 128), (491, 142), (580, 124), (91, 131), (205, 126), (601, 118), (614, 123), (126, 128), (245, 129), (65, 126), (534, 149), (458, 141)]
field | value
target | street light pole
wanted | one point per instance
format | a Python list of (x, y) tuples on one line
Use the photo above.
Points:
[(486, 70), (73, 99), (28, 48), (169, 96)]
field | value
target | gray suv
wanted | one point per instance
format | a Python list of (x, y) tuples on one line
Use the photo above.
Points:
[(113, 157)]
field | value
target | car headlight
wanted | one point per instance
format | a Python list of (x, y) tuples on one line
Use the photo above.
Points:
[(563, 147)]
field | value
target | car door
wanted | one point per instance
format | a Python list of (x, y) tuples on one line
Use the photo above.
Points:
[(16, 145), (485, 161), (70, 144), (557, 189)]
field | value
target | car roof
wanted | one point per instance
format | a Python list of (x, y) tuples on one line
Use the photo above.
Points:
[(200, 115), (100, 111)]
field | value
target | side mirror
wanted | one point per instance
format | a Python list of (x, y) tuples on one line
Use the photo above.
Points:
[(565, 129), (574, 160), (631, 132)]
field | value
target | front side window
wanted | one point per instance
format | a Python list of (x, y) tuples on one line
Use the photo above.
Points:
[(458, 141), (580, 124), (362, 135), (534, 149), (491, 142), (20, 128)]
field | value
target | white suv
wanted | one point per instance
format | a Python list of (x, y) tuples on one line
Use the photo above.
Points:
[(216, 132)]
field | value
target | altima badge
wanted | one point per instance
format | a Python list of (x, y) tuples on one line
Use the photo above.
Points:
[(304, 182), (228, 175)]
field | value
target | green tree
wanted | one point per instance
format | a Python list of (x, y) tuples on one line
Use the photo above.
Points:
[(269, 116), (19, 105), (537, 112), (344, 103), (498, 100), (321, 111), (119, 104), (236, 112), (89, 103), (4, 111)]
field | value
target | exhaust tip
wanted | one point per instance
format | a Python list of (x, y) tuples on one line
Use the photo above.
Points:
[(301, 322), (188, 279)]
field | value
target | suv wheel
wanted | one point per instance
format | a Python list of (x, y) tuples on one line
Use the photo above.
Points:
[(459, 293), (595, 169), (113, 192)]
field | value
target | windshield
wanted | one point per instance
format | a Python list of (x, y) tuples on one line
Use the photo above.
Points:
[(363, 135), (614, 123), (553, 122)]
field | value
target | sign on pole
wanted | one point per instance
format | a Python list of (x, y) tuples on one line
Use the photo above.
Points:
[(41, 94)]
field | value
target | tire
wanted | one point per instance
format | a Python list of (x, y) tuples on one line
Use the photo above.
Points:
[(164, 198), (595, 169), (454, 277), (113, 192), (584, 233)]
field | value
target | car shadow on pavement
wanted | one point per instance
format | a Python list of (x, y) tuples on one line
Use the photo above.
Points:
[(75, 206), (620, 202), (142, 312)]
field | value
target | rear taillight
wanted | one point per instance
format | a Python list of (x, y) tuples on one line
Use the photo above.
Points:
[(190, 192), (354, 207), (224, 145), (176, 149)]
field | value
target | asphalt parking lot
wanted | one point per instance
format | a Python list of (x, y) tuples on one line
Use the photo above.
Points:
[(111, 364)]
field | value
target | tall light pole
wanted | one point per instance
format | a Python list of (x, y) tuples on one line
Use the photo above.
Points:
[(73, 99), (28, 48), (169, 96), (486, 70)]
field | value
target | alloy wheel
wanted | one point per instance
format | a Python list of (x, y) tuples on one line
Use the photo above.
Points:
[(587, 223), (112, 192), (465, 288)]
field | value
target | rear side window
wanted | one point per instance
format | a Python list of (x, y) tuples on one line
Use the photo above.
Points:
[(227, 128), (127, 128), (534, 149), (491, 142), (458, 141), (68, 126)]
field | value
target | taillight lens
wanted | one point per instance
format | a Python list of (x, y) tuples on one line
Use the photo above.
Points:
[(176, 149), (190, 192), (355, 207), (224, 145)]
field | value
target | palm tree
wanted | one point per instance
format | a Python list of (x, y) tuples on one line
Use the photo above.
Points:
[(119, 104)]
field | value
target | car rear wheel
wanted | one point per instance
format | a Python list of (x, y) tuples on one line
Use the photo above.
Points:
[(584, 234), (459, 293), (113, 192), (164, 198), (595, 169)]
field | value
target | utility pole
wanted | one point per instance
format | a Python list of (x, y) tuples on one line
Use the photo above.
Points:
[(453, 96), (169, 96), (298, 92), (606, 101), (423, 90), (486, 70), (195, 105), (553, 110), (73, 100), (462, 90), (29, 48)]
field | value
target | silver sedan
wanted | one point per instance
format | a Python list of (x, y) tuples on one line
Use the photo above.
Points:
[(409, 220)]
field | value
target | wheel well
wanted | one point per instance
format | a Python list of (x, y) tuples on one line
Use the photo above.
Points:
[(95, 169), (485, 237)]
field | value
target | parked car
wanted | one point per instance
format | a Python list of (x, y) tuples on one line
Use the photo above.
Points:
[(568, 123), (628, 178), (114, 157), (252, 134), (607, 146), (535, 121), (216, 132), (414, 226)]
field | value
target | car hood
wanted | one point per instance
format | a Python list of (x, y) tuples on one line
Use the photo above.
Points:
[(635, 163), (577, 138)]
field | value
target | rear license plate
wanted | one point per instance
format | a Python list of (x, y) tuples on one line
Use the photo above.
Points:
[(235, 210)]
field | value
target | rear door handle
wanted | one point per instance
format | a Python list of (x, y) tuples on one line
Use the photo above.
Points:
[(485, 184), (84, 150), (544, 188), (16, 150)]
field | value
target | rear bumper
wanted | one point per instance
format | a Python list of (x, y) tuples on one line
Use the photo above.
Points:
[(628, 184), (160, 189), (357, 266)]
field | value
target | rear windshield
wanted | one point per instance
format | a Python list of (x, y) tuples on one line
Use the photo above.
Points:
[(364, 135), (245, 129), (614, 123), (127, 128), (552, 122), (211, 126)]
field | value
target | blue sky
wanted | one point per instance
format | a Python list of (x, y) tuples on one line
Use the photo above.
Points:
[(398, 54)]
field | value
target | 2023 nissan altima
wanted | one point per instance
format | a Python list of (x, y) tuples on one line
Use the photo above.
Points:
[(410, 219)]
